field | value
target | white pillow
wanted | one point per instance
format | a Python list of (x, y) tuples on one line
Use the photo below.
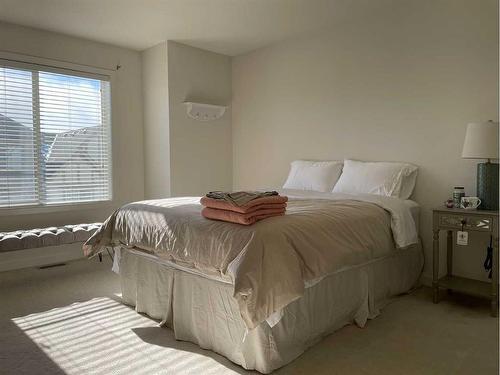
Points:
[(313, 175), (382, 178), (408, 183)]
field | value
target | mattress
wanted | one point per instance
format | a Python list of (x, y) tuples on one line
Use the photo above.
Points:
[(413, 206), (202, 310)]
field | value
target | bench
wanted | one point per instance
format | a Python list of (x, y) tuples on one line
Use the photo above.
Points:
[(53, 236), (43, 247)]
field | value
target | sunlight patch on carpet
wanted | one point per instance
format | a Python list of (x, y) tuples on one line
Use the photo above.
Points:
[(97, 337)]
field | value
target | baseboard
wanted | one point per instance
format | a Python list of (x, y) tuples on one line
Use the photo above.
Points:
[(14, 260)]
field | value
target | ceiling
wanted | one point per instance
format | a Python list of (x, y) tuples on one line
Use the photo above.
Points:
[(231, 27)]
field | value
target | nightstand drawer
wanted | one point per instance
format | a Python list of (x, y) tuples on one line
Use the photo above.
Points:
[(478, 223)]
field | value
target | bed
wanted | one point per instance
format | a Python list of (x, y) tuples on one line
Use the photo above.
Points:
[(261, 295)]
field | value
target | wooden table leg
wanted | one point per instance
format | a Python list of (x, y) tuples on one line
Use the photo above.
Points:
[(435, 265), (449, 253), (494, 279)]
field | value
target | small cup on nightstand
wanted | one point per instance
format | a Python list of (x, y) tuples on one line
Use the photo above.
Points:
[(470, 203)]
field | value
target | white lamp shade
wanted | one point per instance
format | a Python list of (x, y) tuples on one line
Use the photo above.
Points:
[(481, 141)]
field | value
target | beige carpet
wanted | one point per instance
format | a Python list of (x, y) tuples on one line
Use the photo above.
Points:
[(69, 320)]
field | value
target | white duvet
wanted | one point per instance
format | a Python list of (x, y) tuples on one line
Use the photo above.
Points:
[(404, 229)]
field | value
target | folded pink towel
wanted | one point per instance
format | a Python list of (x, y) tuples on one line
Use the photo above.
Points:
[(240, 218), (275, 201)]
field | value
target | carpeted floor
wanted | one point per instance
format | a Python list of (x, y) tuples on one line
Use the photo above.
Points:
[(69, 320)]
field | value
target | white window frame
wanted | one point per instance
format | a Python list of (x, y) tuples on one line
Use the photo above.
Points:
[(15, 60)]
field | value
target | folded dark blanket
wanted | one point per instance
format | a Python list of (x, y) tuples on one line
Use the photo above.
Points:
[(240, 198)]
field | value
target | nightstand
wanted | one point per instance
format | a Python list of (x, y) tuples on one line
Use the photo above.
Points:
[(454, 219)]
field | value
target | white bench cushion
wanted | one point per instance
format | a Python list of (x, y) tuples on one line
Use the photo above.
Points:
[(53, 236)]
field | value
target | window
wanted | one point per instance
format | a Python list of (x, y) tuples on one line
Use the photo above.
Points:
[(54, 137)]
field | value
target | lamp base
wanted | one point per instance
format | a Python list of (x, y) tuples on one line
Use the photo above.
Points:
[(487, 185)]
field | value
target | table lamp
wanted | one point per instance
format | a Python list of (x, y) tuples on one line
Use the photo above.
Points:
[(481, 142)]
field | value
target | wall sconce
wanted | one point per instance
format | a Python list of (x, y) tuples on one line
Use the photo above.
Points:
[(204, 112)]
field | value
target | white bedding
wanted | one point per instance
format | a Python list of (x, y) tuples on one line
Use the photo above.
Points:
[(390, 179), (204, 311), (270, 263), (404, 229), (412, 206), (201, 308), (313, 175)]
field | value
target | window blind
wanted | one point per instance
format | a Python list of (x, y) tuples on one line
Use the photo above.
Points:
[(54, 137)]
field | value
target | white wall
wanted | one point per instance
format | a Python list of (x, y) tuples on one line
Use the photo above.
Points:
[(400, 85), (156, 122), (184, 156), (200, 152), (127, 123)]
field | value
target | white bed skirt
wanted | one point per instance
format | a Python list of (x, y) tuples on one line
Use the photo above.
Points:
[(204, 312)]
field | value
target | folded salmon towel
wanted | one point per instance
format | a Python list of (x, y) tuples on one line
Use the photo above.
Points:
[(277, 201), (240, 218)]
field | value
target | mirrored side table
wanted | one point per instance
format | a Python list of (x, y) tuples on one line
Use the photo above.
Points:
[(455, 219)]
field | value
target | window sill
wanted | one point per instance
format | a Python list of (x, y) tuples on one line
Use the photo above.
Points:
[(29, 210)]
